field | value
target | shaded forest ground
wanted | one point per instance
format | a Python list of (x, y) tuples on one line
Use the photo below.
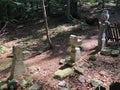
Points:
[(46, 62)]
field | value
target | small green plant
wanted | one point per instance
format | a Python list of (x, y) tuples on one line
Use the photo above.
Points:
[(26, 83), (3, 49), (31, 69), (30, 80), (12, 84)]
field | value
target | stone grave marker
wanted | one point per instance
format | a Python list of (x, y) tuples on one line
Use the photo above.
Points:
[(18, 67), (75, 50)]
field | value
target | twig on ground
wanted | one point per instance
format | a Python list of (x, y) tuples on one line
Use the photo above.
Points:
[(2, 31)]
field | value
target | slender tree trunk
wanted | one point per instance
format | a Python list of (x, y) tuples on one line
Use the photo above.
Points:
[(117, 4), (68, 10), (46, 25), (103, 4)]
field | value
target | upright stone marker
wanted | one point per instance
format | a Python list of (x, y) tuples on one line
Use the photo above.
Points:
[(103, 25), (75, 50), (18, 67)]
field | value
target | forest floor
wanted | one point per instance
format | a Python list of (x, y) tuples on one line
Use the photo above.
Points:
[(46, 62)]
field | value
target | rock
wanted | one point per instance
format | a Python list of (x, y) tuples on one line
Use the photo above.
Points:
[(3, 86), (92, 58), (36, 86), (88, 79), (90, 65), (115, 52), (82, 79), (61, 74), (26, 55), (62, 85), (62, 61), (105, 52), (102, 73), (96, 83), (79, 70), (70, 62)]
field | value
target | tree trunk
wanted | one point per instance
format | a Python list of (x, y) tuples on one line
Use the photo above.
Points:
[(46, 26), (73, 8), (103, 4), (117, 4), (68, 10)]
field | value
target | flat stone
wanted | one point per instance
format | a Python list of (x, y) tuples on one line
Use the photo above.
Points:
[(82, 79), (79, 70), (62, 85), (62, 61), (36, 86), (70, 62), (92, 58), (105, 52), (90, 65), (4, 86), (96, 83), (102, 73), (61, 74), (115, 52)]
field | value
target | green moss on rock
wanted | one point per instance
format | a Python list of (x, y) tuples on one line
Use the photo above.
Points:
[(92, 58), (115, 52), (105, 52), (61, 74)]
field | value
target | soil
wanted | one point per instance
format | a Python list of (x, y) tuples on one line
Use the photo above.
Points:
[(46, 62)]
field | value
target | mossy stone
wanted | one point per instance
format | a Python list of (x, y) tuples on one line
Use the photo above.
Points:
[(61, 74), (115, 52), (105, 52), (92, 58), (70, 63)]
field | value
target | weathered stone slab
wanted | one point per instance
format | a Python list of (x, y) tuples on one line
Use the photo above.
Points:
[(18, 67), (105, 52), (17, 52), (115, 52), (96, 83), (61, 74), (79, 70), (62, 61), (92, 58), (75, 50)]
